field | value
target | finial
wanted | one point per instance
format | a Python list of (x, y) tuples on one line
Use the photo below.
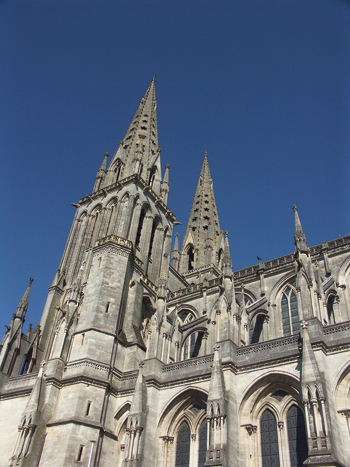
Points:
[(141, 365), (216, 347), (295, 208), (167, 166), (205, 151), (303, 324), (106, 154), (226, 233)]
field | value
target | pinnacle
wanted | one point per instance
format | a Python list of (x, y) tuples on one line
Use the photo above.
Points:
[(23, 304), (298, 227)]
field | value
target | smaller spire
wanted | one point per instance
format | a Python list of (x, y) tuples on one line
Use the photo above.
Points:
[(299, 236), (23, 304)]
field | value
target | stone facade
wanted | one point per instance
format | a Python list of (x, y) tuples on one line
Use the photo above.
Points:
[(147, 357)]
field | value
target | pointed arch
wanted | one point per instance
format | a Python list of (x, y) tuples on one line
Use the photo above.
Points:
[(269, 439), (280, 284), (289, 311), (183, 445)]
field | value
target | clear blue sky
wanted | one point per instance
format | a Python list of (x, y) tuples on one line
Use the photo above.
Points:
[(264, 85)]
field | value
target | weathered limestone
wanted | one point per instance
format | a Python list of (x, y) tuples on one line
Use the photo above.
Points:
[(136, 362)]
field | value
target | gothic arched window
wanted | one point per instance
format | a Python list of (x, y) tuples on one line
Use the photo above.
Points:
[(192, 345), (202, 448), (290, 315), (296, 436), (183, 441), (269, 440)]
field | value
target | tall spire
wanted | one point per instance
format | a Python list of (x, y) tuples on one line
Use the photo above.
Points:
[(23, 304), (140, 144), (299, 236), (203, 228)]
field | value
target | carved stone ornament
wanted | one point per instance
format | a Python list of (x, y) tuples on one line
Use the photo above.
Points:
[(251, 429)]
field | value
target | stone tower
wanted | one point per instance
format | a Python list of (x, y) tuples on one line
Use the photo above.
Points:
[(146, 358)]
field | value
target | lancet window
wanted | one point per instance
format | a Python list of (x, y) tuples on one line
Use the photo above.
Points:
[(117, 170), (190, 257), (202, 449), (296, 436), (183, 442), (192, 345), (255, 329), (154, 227), (290, 314), (269, 440), (139, 228), (152, 176), (330, 309)]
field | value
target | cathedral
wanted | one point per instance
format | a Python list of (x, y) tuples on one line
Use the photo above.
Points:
[(151, 356)]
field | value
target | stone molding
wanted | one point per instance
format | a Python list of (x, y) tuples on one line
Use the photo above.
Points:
[(88, 363), (268, 345), (335, 328), (195, 288), (188, 363)]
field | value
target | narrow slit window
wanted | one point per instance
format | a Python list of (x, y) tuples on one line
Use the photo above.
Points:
[(107, 307), (80, 453), (88, 407)]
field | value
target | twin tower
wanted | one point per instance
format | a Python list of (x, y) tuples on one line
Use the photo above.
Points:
[(150, 357)]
